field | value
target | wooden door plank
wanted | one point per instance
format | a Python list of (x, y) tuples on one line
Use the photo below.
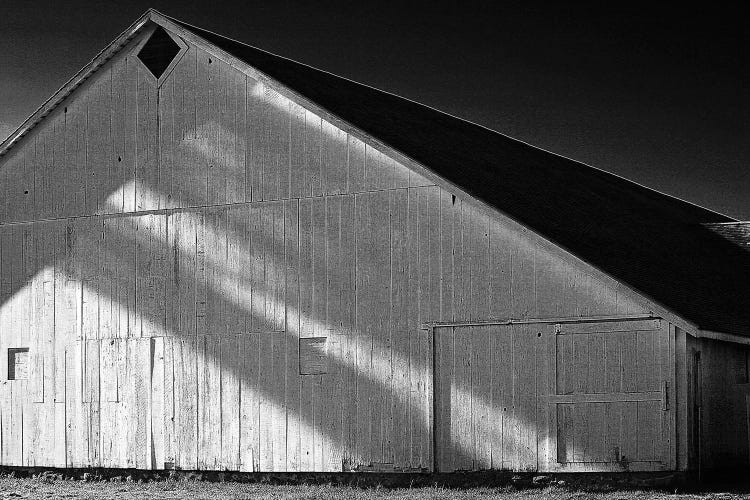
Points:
[(230, 401), (462, 433), (157, 410), (481, 399)]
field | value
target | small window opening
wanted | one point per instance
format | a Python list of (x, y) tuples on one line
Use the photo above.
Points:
[(313, 359), (158, 53), (18, 363)]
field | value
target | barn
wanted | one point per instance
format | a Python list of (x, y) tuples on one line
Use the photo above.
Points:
[(216, 258)]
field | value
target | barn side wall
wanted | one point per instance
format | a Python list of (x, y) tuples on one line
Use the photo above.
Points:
[(207, 275), (719, 392)]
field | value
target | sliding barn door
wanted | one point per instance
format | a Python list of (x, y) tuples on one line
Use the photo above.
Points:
[(609, 407), (486, 396)]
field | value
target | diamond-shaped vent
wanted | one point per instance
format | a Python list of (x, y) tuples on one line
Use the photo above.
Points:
[(158, 52)]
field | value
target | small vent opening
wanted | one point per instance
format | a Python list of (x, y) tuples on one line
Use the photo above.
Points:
[(158, 52), (18, 363), (313, 359)]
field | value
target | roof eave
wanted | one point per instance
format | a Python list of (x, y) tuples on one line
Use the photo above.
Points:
[(722, 336), (101, 58)]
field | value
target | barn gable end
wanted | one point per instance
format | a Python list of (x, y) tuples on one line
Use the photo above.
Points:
[(210, 272)]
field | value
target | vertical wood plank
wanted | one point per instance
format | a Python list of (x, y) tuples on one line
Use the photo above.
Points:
[(186, 411), (168, 142), (266, 405), (278, 410), (216, 132), (230, 401), (399, 305), (204, 148), (236, 181), (157, 410), (356, 164), (313, 161), (481, 398), (333, 159), (350, 374), (292, 327), (462, 433), (209, 401), (249, 401), (169, 401), (298, 175)]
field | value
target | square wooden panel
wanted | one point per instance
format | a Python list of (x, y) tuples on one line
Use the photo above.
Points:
[(312, 356), (18, 363)]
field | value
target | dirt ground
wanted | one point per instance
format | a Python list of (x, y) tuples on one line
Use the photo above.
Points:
[(12, 487)]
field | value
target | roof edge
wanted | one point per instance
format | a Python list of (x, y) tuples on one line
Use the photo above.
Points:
[(737, 233), (722, 336), (73, 83), (182, 25)]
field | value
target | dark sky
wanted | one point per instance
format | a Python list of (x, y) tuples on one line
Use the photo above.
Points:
[(659, 95)]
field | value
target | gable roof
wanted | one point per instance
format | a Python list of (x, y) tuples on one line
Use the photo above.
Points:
[(656, 244)]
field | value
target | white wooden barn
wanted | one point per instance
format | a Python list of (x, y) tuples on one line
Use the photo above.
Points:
[(212, 257)]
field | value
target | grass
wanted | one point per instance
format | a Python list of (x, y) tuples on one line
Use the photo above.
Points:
[(41, 487)]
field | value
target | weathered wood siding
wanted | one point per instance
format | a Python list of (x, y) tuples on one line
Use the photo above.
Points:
[(554, 396), (166, 252)]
